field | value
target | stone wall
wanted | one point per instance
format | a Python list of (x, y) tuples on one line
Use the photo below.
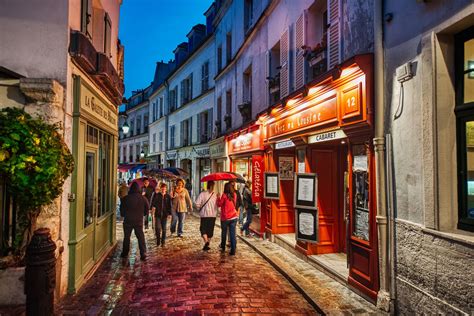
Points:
[(434, 272)]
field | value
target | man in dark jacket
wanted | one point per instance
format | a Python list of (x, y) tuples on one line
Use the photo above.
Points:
[(147, 191), (161, 206), (133, 207)]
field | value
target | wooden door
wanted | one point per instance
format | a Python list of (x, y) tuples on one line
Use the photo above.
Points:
[(325, 163)]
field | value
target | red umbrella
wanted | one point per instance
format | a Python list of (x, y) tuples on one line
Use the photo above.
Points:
[(219, 176)]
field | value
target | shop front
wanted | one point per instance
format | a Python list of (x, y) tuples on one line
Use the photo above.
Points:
[(94, 182), (322, 158), (245, 149)]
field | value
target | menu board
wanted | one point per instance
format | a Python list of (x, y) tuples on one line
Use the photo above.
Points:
[(271, 185), (361, 223), (307, 225), (306, 191)]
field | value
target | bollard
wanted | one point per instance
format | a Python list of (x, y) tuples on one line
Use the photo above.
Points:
[(40, 274)]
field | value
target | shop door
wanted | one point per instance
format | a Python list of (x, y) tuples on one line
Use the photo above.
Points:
[(324, 162), (362, 250), (90, 207)]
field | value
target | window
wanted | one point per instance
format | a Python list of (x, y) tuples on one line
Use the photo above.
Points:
[(247, 88), (130, 153), (248, 14), (204, 120), (154, 142), (219, 58), (132, 127), (228, 48), (161, 141), (228, 107), (139, 125), (187, 89), (205, 77), (186, 132), (274, 74), (137, 152), (316, 37), (124, 154), (172, 136), (464, 63), (219, 117), (107, 35), (86, 17), (145, 123), (161, 107), (154, 117), (173, 99)]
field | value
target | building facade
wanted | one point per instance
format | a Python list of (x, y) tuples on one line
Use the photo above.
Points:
[(428, 96), (70, 64)]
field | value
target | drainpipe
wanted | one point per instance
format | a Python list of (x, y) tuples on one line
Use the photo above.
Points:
[(383, 297)]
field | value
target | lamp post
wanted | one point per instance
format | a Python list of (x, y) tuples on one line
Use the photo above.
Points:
[(125, 128), (142, 154)]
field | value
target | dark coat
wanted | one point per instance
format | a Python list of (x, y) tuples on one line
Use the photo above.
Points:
[(148, 192), (162, 205), (133, 207)]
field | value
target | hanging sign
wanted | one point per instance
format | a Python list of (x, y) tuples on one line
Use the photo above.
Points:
[(284, 144), (257, 178)]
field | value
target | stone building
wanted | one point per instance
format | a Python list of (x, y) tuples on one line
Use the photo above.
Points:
[(63, 60), (429, 85)]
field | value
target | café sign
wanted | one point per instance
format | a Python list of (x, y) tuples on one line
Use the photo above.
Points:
[(318, 114), (246, 142), (94, 106), (284, 144), (328, 136)]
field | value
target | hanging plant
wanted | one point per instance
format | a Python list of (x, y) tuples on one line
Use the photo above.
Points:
[(35, 162)]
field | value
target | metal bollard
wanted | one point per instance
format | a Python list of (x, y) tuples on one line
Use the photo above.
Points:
[(40, 274)]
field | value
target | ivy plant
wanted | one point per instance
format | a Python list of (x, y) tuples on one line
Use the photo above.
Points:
[(35, 162)]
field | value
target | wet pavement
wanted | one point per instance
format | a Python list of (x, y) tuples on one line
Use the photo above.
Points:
[(182, 279)]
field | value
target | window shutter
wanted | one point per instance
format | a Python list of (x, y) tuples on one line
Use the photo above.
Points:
[(334, 34), (267, 75), (300, 41), (108, 35), (203, 75), (190, 130), (209, 123), (199, 132), (181, 134), (190, 86), (183, 92), (285, 64)]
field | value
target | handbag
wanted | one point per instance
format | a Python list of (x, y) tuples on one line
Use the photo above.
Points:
[(199, 209)]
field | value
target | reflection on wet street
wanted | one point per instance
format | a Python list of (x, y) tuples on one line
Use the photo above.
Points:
[(180, 278)]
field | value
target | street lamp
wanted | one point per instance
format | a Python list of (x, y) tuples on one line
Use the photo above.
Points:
[(142, 154), (125, 128)]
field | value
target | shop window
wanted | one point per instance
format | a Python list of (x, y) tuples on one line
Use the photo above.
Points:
[(360, 192), (105, 174), (464, 63), (89, 189)]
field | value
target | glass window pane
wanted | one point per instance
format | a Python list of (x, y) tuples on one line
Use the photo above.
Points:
[(468, 65), (89, 194), (470, 168)]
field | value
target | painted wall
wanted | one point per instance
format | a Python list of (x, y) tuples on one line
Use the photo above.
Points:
[(431, 253)]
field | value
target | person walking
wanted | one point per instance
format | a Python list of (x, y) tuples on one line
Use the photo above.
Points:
[(206, 202), (181, 204), (147, 192), (161, 208), (249, 207), (132, 209), (229, 216), (123, 190)]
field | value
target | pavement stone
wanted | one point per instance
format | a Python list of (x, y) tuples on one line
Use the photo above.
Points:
[(181, 279)]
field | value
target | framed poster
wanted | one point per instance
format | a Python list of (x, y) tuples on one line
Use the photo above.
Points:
[(306, 191), (271, 185), (286, 168), (307, 225)]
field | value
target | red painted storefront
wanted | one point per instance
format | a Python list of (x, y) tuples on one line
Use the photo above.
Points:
[(328, 130)]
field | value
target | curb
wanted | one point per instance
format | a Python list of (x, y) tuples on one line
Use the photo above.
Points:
[(280, 270)]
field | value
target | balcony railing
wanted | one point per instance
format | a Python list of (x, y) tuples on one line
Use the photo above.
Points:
[(97, 65)]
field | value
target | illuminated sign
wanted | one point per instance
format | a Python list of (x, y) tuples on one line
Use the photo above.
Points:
[(318, 114), (246, 142), (284, 144), (324, 137)]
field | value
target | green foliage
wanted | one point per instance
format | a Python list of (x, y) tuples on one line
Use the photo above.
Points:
[(35, 161)]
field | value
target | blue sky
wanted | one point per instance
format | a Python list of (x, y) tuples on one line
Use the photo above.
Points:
[(150, 31)]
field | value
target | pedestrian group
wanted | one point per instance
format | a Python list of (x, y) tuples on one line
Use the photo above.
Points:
[(145, 204)]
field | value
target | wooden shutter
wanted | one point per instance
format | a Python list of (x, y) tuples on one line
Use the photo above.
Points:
[(334, 34), (209, 123), (190, 87), (108, 35), (190, 130), (86, 17), (181, 134), (199, 132), (300, 41), (285, 64), (268, 64), (183, 92)]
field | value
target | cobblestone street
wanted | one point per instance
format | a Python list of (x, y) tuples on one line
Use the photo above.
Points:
[(181, 277)]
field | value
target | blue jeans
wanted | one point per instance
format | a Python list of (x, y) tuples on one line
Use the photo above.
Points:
[(248, 222), (174, 221), (160, 230), (181, 217), (229, 225)]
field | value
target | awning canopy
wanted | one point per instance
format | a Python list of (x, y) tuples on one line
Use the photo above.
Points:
[(130, 167)]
